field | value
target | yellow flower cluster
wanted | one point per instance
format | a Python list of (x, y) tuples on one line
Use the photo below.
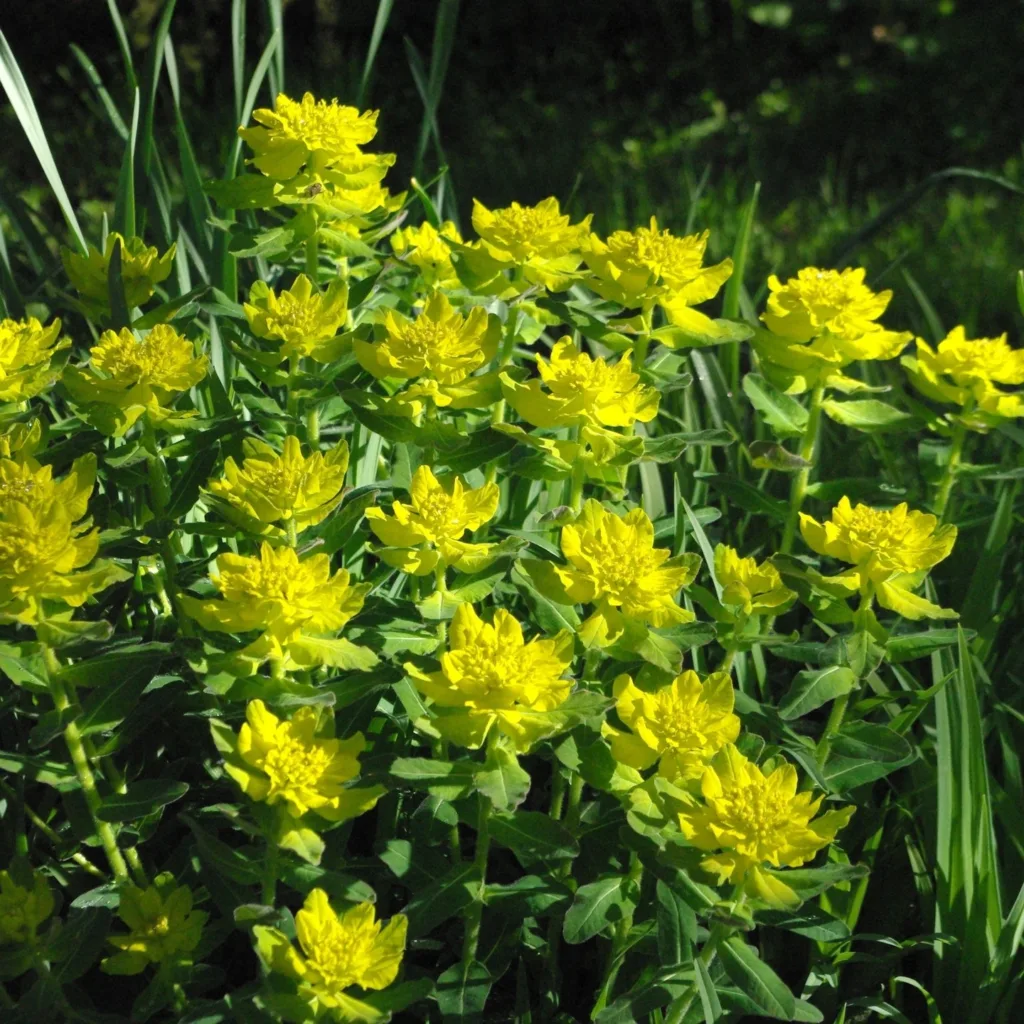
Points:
[(128, 378), (142, 269), (424, 248), (23, 908), (27, 349), (820, 322)]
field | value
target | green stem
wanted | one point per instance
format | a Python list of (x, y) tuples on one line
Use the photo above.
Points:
[(678, 1010), (86, 779), (475, 911), (832, 727), (268, 891), (579, 473), (798, 488), (616, 952), (291, 399), (293, 532), (313, 259), (642, 342), (313, 428), (557, 794), (949, 475)]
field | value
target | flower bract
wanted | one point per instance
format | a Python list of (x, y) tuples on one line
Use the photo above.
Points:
[(303, 321), (749, 588), (424, 248), (142, 269), (491, 678), (751, 822), (23, 908), (26, 351)]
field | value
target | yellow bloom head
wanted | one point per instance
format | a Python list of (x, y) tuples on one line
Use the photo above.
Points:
[(163, 927), (891, 550), (23, 908), (27, 483), (750, 821), (309, 131), (648, 266), (582, 391), (270, 488), (424, 248), (965, 372), (538, 240), (440, 344), (679, 727), (142, 269), (304, 322), (747, 587), (128, 377), (338, 951), (279, 594), (491, 678), (430, 527), (299, 765), (26, 349), (614, 564)]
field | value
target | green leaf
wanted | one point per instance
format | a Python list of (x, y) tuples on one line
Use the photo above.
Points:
[(528, 896), (120, 315), (449, 780), (462, 993), (771, 455), (717, 332), (197, 471), (871, 742), (551, 616), (815, 687), (810, 921), (709, 1000), (754, 977), (598, 905), (503, 781), (668, 447), (444, 898), (867, 414), (80, 943), (225, 860), (142, 798), (917, 645), (677, 926), (533, 837), (810, 882), (783, 413)]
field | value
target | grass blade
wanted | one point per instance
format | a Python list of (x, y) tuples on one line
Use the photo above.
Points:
[(275, 12), (238, 52), (122, 43), (379, 25), (740, 253), (124, 200), (113, 114), (153, 67), (20, 97)]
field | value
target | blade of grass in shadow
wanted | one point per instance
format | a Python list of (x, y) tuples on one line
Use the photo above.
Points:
[(124, 200), (154, 62), (733, 287), (123, 46), (11, 302), (120, 315), (13, 83), (238, 52), (275, 15), (379, 25), (109, 106), (931, 317)]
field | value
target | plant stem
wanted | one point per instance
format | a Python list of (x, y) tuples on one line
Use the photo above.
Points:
[(313, 428), (86, 779), (475, 911), (832, 727), (557, 794), (678, 1010), (293, 532), (616, 953), (642, 341), (268, 891), (579, 473), (798, 488), (949, 476), (313, 259)]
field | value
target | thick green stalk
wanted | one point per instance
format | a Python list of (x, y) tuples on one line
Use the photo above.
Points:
[(949, 475), (313, 259), (86, 779), (798, 488), (475, 911), (832, 727), (616, 952), (313, 428)]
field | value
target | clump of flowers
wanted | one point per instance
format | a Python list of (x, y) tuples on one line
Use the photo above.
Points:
[(891, 551), (440, 349), (296, 604), (142, 269), (491, 678), (965, 372), (164, 927), (300, 320), (291, 488), (339, 952), (614, 565), (749, 587), (652, 267), (424, 247), (752, 823), (128, 378), (27, 349), (820, 322), (678, 727), (299, 767), (23, 908), (426, 533)]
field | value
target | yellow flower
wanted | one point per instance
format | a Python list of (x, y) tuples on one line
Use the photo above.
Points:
[(965, 372), (299, 765), (338, 952), (750, 821), (303, 321), (296, 604), (21, 441), (649, 267), (23, 910), (442, 348), (582, 391), (891, 552), (679, 727), (164, 927), (538, 242), (747, 587), (820, 322), (41, 542), (309, 131), (424, 248), (614, 565), (127, 378), (428, 531), (142, 269), (490, 678), (26, 349), (270, 488)]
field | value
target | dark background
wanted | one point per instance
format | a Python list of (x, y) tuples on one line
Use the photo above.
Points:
[(673, 107)]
